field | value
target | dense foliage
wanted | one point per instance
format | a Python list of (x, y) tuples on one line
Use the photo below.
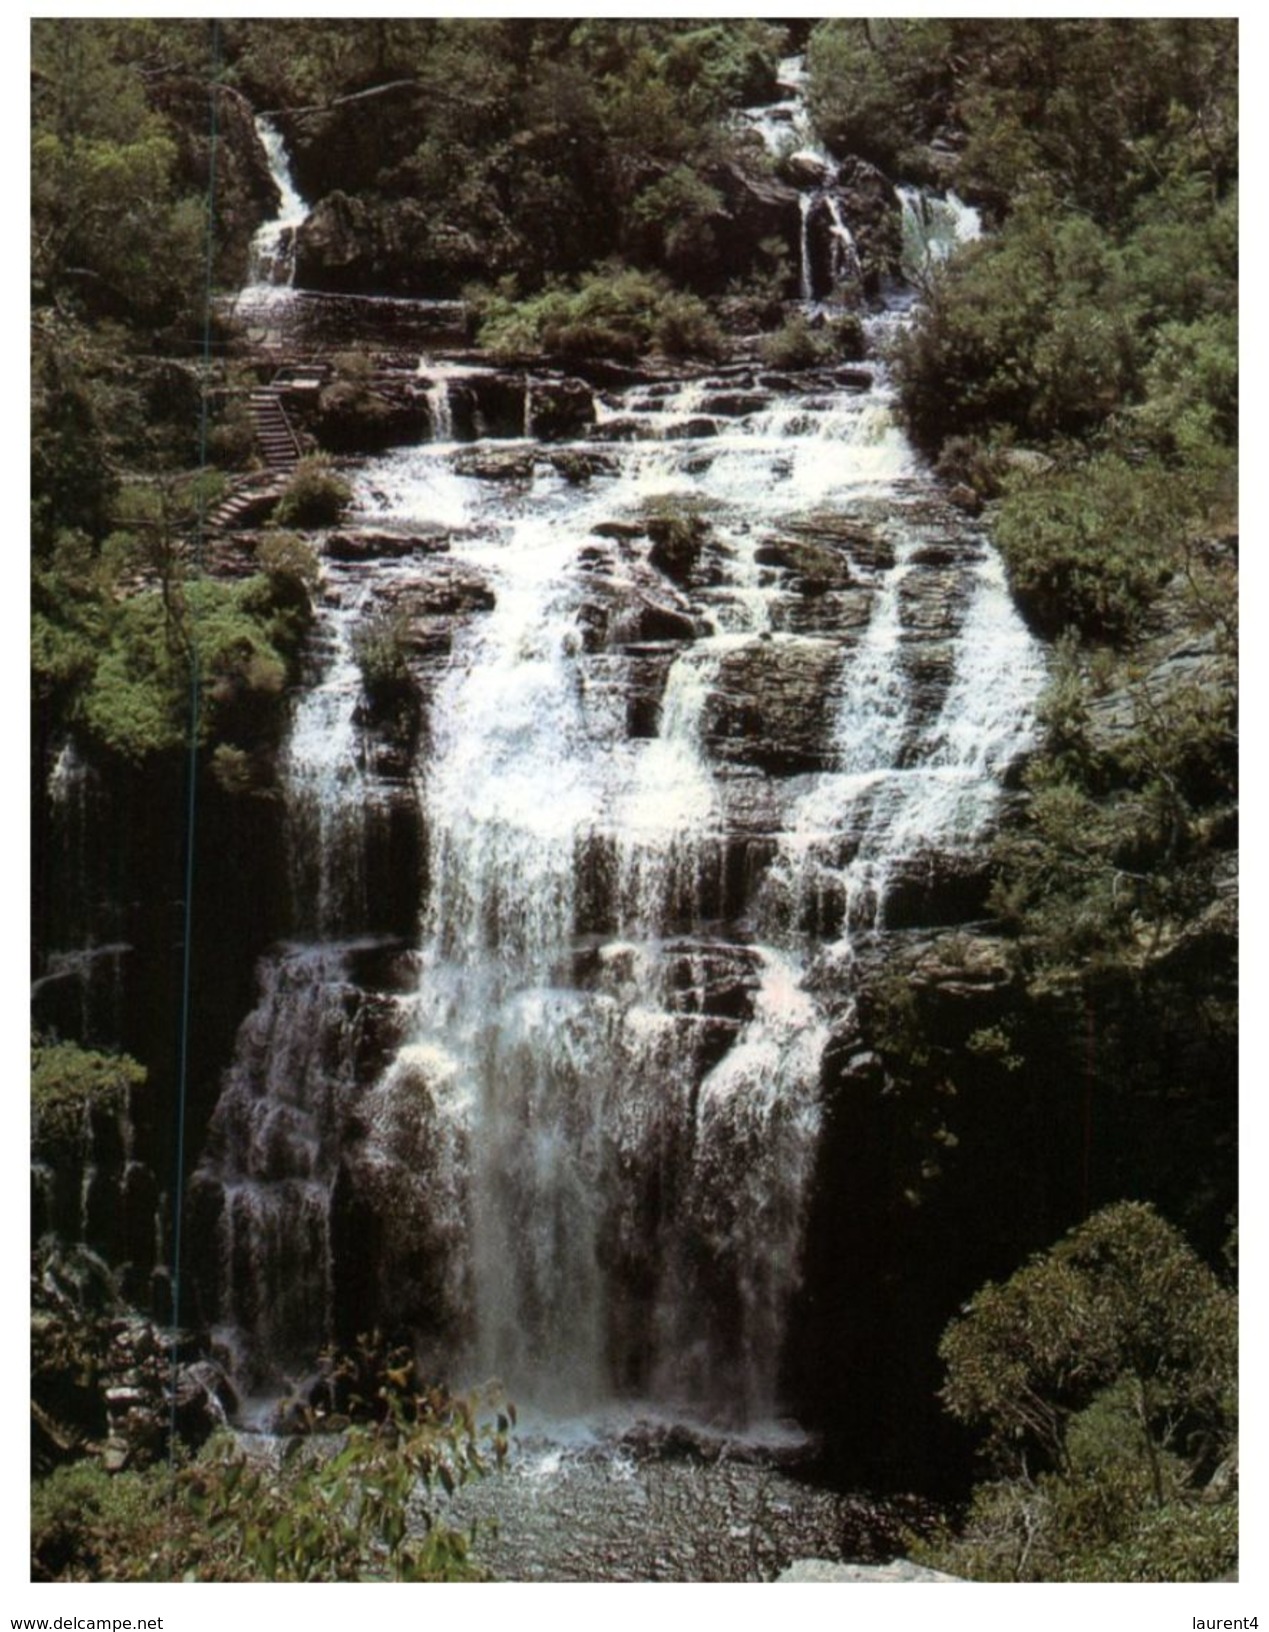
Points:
[(1104, 1373), (565, 141), (1100, 319), (338, 1508), (1100, 110), (613, 312), (115, 226)]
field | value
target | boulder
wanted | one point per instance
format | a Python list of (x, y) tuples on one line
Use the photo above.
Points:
[(493, 464), (812, 565), (686, 430), (367, 416), (447, 589), (627, 605), (865, 545), (806, 168), (931, 602), (558, 409), (488, 403), (372, 544), (755, 207), (204, 1401), (577, 466), (368, 245)]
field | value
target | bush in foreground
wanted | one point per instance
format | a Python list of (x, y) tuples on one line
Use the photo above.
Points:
[(1104, 1372)]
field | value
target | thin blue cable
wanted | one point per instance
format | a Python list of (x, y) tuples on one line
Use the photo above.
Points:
[(195, 707)]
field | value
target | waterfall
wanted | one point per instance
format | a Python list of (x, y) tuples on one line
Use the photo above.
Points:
[(846, 267), (324, 780), (440, 411), (933, 228), (272, 261), (719, 701), (267, 1168), (806, 281)]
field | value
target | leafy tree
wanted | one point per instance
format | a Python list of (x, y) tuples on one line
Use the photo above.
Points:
[(878, 86), (1122, 1300), (108, 225), (1031, 330), (1104, 1372)]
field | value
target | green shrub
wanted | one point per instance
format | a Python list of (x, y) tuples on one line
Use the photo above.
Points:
[(291, 565), (68, 1081), (677, 213), (315, 496), (796, 345), (139, 698), (613, 311), (1105, 1371), (1093, 547), (978, 462), (1032, 329), (684, 328), (381, 648), (347, 1507), (1121, 1303)]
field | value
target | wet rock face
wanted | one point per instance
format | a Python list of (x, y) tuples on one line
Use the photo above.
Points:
[(352, 244), (768, 705), (558, 409)]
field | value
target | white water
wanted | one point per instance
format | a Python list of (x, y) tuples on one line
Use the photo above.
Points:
[(591, 1156), (323, 776), (933, 229), (567, 1099), (273, 247)]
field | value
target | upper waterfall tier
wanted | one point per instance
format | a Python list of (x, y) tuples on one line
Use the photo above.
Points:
[(273, 247)]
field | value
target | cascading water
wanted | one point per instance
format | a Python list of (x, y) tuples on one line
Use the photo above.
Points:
[(717, 697), (933, 228), (324, 780), (273, 247), (787, 134)]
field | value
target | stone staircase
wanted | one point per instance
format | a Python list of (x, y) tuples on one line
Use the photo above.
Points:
[(278, 441), (248, 503)]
